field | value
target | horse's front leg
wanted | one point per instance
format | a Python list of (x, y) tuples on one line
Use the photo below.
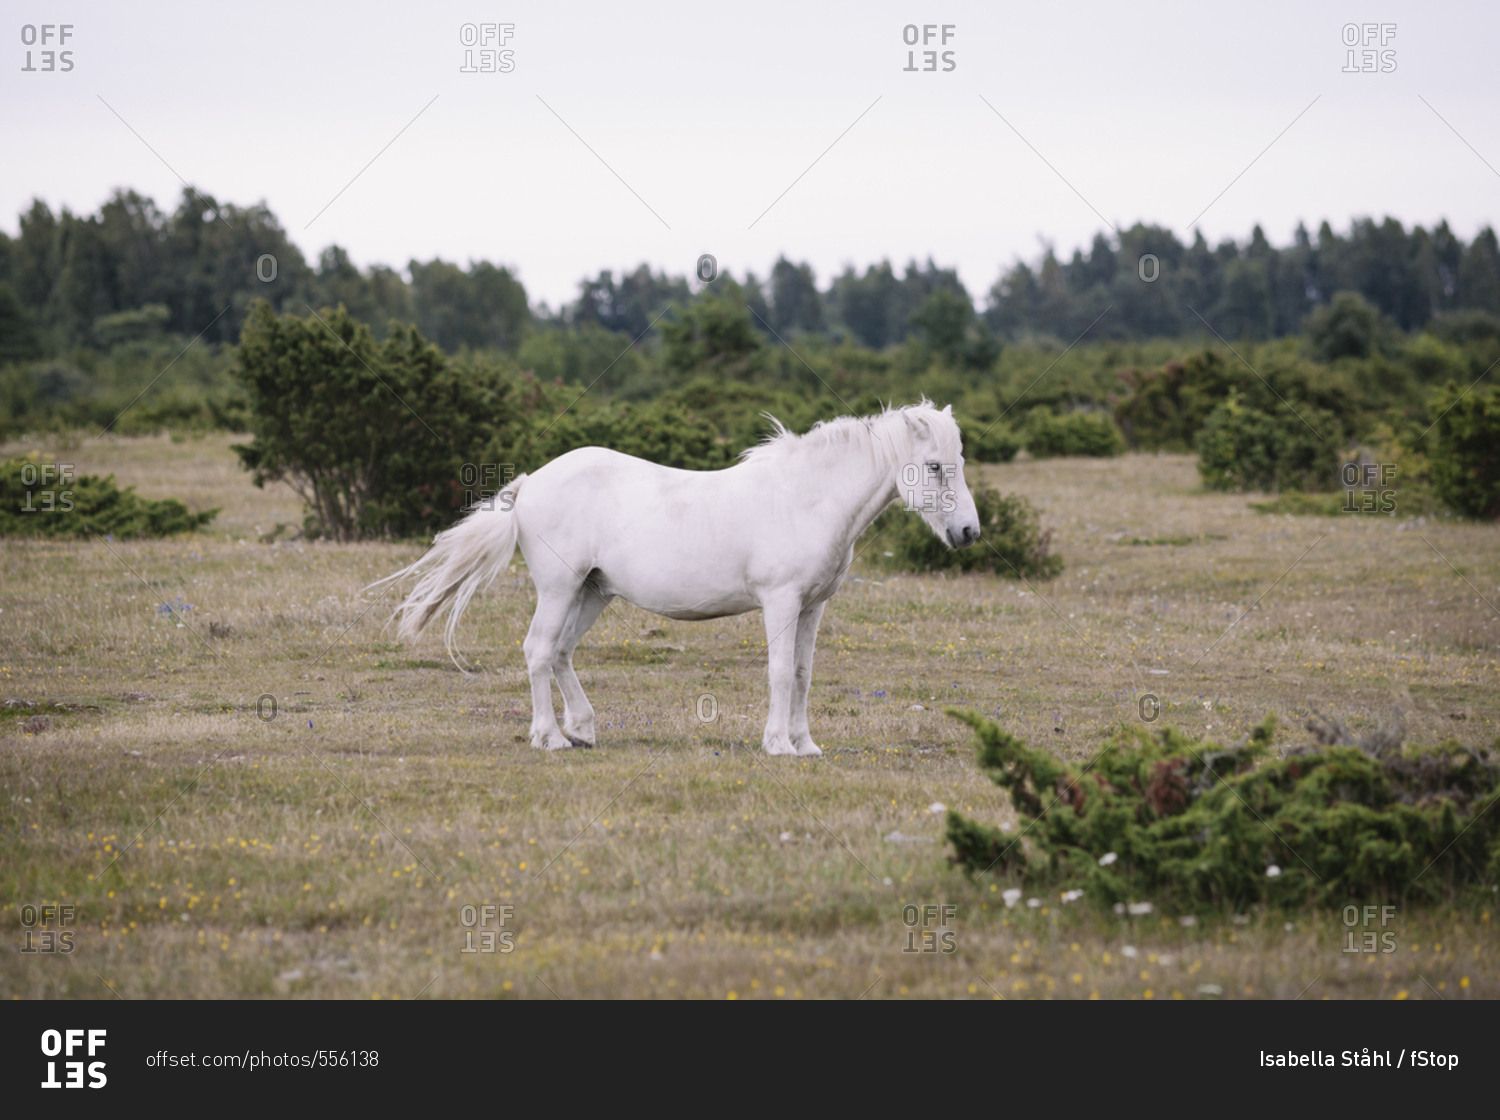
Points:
[(782, 615), (807, 637)]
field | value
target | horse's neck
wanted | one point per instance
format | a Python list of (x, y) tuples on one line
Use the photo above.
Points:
[(860, 493)]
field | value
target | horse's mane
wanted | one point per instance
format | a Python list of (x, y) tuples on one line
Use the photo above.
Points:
[(859, 432)]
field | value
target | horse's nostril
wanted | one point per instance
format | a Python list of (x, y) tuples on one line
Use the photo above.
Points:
[(969, 534)]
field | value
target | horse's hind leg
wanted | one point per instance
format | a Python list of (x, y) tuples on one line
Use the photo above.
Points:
[(578, 713), (544, 640)]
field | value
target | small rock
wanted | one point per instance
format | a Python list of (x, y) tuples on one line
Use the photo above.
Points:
[(1139, 908), (1011, 895), (1128, 951), (1108, 858), (1210, 990), (937, 807), (899, 837), (293, 975)]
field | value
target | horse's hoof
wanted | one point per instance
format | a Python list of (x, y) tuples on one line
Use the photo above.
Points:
[(577, 742), (779, 747), (809, 749)]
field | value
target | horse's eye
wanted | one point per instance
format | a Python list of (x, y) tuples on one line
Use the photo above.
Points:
[(935, 468)]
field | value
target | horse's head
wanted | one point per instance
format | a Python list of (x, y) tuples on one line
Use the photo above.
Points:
[(931, 480)]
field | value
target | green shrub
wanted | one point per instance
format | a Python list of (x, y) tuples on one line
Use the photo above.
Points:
[(1165, 408), (990, 443), (375, 438), (1348, 326), (36, 502), (659, 433), (1012, 542), (712, 334), (1466, 326), (1293, 447), (1049, 435), (1166, 818), (1465, 451)]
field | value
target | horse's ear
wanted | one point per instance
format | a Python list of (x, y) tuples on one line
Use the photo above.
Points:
[(947, 410)]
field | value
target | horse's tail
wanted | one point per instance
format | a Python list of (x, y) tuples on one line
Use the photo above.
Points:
[(461, 561)]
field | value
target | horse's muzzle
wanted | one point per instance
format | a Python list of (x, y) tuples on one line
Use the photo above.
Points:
[(963, 537)]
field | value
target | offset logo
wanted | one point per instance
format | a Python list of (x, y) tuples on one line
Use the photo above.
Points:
[(44, 929), (49, 36), (926, 36), (485, 42), (66, 1044)]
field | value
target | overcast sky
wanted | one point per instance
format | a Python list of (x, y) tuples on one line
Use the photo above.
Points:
[(673, 127)]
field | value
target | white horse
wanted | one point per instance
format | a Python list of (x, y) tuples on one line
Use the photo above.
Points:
[(776, 531)]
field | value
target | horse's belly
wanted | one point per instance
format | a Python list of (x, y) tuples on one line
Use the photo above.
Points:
[(677, 599), (699, 616)]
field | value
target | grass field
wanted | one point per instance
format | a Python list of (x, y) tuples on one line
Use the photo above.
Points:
[(332, 851)]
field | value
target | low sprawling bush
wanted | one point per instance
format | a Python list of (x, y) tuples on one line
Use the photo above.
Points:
[(1052, 435), (1012, 542), (44, 500), (1166, 818), (1288, 446)]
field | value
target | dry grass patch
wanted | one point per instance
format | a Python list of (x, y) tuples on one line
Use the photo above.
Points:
[(330, 852)]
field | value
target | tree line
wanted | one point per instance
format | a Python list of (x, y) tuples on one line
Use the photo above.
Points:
[(133, 271)]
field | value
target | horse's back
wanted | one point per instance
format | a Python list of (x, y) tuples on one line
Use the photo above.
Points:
[(602, 475)]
